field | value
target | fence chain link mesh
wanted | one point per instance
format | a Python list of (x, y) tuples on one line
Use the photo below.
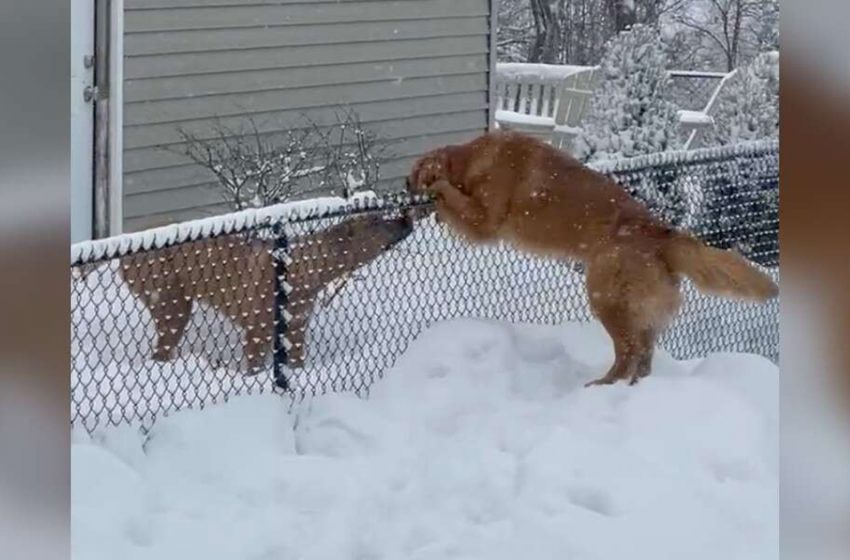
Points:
[(306, 305)]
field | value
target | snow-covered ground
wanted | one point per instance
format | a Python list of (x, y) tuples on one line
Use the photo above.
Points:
[(479, 443)]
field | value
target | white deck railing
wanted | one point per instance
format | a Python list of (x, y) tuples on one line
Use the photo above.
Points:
[(550, 101)]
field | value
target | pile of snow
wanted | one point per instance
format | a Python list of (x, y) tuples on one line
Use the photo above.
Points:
[(480, 443)]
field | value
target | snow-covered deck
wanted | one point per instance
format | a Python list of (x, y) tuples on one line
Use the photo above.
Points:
[(528, 96), (522, 71)]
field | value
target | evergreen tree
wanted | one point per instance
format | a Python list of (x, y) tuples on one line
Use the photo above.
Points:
[(630, 113), (748, 106)]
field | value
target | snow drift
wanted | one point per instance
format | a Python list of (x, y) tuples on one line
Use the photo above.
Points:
[(480, 443)]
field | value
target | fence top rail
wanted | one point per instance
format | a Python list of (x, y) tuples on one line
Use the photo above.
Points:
[(696, 74), (684, 157), (86, 252), (121, 245)]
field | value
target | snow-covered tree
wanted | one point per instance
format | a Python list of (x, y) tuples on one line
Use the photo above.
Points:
[(630, 113), (707, 34), (764, 33), (566, 31), (748, 106), (728, 33), (515, 31)]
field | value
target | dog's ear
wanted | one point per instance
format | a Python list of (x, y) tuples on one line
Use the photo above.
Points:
[(422, 173), (454, 161)]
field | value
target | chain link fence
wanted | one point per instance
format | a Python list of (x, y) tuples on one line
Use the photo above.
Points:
[(313, 297)]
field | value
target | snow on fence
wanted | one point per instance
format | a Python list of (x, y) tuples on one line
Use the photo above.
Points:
[(307, 298)]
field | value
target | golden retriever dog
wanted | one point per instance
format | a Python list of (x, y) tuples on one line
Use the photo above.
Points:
[(235, 275), (505, 186)]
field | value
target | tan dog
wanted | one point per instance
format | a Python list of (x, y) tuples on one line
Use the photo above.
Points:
[(511, 187), (235, 275)]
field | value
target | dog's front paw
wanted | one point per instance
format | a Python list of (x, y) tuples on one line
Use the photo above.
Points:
[(438, 188)]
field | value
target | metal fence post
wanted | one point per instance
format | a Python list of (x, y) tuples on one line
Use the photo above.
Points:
[(280, 300)]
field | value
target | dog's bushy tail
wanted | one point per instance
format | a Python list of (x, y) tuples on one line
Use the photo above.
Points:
[(717, 272)]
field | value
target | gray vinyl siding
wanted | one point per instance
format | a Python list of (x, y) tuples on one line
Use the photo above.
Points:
[(416, 71)]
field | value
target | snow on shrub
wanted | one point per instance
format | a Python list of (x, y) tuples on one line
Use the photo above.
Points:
[(748, 107), (629, 112)]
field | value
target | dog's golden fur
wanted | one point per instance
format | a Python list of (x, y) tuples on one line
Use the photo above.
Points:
[(235, 275), (511, 187)]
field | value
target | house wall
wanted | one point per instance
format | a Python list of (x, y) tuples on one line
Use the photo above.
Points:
[(416, 71)]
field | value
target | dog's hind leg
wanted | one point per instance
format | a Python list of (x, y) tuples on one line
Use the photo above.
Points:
[(633, 296), (625, 362), (656, 301), (644, 350)]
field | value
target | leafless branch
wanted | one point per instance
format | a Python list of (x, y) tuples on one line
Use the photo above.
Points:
[(255, 168)]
